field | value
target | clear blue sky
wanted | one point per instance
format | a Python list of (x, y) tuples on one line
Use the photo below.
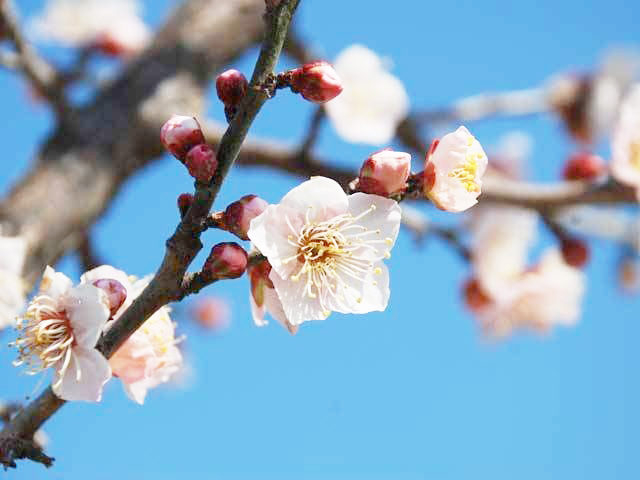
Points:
[(411, 393)]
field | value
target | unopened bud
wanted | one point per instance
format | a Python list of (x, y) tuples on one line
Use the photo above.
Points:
[(574, 251), (259, 280), (317, 82), (385, 173), (180, 134), (116, 293), (583, 166), (629, 275), (238, 215), (226, 260), (231, 86), (475, 297), (201, 162), (184, 203)]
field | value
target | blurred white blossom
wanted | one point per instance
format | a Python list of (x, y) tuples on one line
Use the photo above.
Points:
[(12, 293)]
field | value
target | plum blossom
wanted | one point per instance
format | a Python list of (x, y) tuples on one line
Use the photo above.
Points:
[(326, 249), (60, 329), (150, 356), (625, 144), (12, 294), (113, 26), (385, 173), (546, 296), (373, 101), (453, 171)]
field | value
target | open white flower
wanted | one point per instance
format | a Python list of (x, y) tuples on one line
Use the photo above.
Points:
[(541, 298), (114, 25), (326, 249), (372, 103), (625, 145), (453, 171), (60, 330), (12, 293)]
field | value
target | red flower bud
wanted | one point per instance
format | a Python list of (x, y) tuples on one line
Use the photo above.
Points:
[(575, 252), (179, 134), (231, 86), (226, 260), (475, 297), (317, 82), (116, 293), (583, 166), (184, 202), (238, 215), (385, 173), (201, 162)]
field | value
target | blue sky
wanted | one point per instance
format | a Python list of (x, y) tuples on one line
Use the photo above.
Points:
[(411, 393)]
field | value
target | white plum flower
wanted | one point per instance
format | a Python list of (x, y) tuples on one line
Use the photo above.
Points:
[(114, 26), (326, 249), (546, 296), (372, 103), (625, 144), (12, 294), (501, 240), (453, 171), (59, 330)]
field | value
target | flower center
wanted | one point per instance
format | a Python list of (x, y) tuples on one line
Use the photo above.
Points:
[(45, 337), (332, 254), (466, 172)]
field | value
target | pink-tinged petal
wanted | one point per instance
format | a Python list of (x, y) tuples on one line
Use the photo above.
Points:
[(137, 391), (129, 362), (297, 306), (54, 284), (88, 311), (84, 377), (258, 313)]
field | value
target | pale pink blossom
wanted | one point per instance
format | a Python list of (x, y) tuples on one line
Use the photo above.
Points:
[(385, 173), (453, 171), (150, 356), (372, 103), (114, 26), (539, 299), (326, 249), (59, 330), (12, 293), (625, 144)]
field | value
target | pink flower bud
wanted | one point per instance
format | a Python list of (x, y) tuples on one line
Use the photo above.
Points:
[(238, 215), (385, 173), (179, 134), (583, 166), (475, 297), (201, 162), (226, 260), (212, 313), (231, 87), (184, 202), (116, 293), (317, 82), (575, 252)]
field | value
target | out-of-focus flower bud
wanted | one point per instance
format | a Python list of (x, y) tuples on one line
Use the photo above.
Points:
[(474, 296), (116, 293), (212, 313), (583, 166), (317, 82), (238, 215), (574, 251), (231, 86), (184, 202), (385, 173), (202, 162), (226, 260), (180, 134), (629, 275)]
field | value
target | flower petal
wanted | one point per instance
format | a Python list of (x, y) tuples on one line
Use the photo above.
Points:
[(88, 312), (85, 376), (297, 306), (53, 283), (385, 219), (362, 296)]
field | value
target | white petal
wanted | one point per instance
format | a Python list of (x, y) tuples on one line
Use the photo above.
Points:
[(12, 254), (88, 312), (385, 218), (321, 197), (369, 295), (296, 305), (137, 391), (258, 312), (85, 376), (54, 284)]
